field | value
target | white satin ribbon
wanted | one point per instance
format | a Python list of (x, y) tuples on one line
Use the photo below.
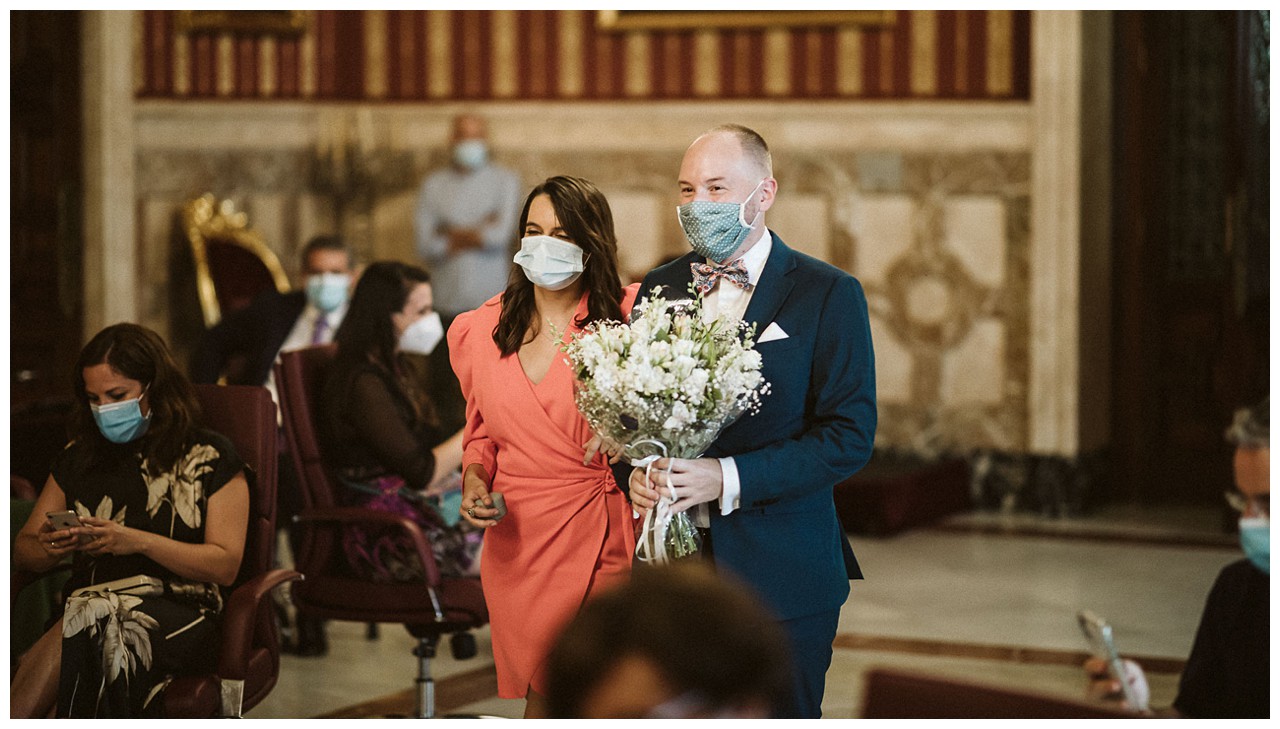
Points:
[(652, 544)]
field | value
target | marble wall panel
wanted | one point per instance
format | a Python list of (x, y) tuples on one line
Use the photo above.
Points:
[(973, 371), (640, 243), (804, 222), (975, 234), (882, 232), (893, 364)]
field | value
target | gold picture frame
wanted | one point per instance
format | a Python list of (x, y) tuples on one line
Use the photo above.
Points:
[(253, 22), (624, 20)]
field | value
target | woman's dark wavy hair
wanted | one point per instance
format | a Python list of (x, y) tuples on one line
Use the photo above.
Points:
[(367, 334), (585, 216), (139, 354)]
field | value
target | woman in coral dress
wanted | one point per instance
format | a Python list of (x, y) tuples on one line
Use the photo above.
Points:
[(568, 531)]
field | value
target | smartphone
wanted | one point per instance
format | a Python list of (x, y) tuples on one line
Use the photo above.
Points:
[(1098, 632), (66, 520), (499, 503)]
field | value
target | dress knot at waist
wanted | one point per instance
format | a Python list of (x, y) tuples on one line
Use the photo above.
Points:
[(596, 484)]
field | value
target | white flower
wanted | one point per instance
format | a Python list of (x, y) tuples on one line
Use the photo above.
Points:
[(667, 375)]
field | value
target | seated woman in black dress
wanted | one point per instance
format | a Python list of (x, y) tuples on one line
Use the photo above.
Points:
[(380, 430), (156, 495)]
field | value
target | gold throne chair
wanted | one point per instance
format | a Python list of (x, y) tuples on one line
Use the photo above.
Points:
[(232, 262)]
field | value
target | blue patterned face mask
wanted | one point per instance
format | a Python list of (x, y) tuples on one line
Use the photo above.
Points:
[(1255, 539), (716, 229), (122, 422)]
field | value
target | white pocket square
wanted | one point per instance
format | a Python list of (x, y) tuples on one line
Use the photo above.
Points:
[(772, 332)]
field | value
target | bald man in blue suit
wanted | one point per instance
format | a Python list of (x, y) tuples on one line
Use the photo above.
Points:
[(764, 489)]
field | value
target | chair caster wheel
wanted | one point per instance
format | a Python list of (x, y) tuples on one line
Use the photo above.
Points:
[(462, 646)]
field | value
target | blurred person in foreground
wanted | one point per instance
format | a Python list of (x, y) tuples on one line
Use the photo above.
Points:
[(1228, 672), (672, 642)]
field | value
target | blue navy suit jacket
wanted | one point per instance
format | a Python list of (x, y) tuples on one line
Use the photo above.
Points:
[(814, 429)]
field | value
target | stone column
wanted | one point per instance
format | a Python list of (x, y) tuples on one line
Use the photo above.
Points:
[(1070, 226), (110, 243)]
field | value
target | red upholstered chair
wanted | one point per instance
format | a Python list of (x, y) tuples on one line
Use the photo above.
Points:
[(21, 488), (894, 694), (429, 609), (249, 649), (233, 264), (249, 654)]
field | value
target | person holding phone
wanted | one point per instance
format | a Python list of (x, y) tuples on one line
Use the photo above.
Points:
[(1228, 672), (153, 495), (569, 531)]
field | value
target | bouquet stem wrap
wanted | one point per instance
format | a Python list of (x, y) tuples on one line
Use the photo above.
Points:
[(664, 536)]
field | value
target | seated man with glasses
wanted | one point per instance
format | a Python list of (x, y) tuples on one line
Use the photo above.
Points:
[(1228, 672)]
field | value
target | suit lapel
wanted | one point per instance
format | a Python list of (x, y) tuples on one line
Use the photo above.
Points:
[(773, 287), (674, 278)]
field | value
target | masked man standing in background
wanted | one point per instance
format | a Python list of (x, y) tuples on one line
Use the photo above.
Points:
[(465, 222)]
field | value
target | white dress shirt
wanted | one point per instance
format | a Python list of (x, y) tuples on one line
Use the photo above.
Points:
[(729, 300)]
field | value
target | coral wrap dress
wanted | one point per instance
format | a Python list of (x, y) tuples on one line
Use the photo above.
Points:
[(568, 532)]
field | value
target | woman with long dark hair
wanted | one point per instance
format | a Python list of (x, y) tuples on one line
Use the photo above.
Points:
[(568, 532), (161, 503), (380, 429)]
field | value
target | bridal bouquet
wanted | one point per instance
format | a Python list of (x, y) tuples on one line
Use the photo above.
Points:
[(665, 385)]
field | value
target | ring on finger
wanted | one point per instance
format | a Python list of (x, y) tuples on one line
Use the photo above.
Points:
[(471, 512)]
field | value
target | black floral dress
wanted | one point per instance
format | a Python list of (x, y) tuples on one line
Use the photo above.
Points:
[(120, 651)]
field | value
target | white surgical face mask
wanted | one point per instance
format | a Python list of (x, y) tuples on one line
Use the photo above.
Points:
[(548, 262), (422, 336)]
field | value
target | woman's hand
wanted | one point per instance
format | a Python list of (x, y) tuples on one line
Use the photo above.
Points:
[(108, 537), (606, 446), (57, 543), (477, 506)]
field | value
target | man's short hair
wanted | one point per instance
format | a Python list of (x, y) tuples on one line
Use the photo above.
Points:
[(1251, 427), (328, 243), (753, 145), (707, 635)]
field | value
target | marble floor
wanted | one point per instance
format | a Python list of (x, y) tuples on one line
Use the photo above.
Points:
[(979, 597)]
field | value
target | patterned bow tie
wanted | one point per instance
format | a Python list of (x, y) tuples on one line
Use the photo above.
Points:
[(705, 275)]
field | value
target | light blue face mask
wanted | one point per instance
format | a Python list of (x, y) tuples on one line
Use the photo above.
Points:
[(471, 154), (1255, 539), (716, 229), (328, 291), (121, 422)]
